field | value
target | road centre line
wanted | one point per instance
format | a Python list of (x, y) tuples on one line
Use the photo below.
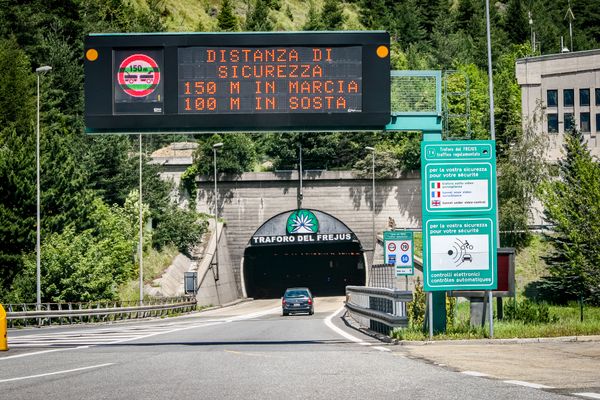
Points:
[(528, 384), (55, 373)]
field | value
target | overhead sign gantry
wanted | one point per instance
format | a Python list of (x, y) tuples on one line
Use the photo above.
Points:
[(161, 83)]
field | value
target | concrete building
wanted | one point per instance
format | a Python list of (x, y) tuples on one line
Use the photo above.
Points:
[(560, 89)]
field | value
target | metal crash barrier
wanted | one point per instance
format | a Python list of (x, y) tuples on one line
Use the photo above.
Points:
[(73, 313), (379, 309)]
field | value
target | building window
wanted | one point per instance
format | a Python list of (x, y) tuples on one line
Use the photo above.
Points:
[(584, 97), (568, 97), (598, 97), (553, 123), (598, 122), (552, 98), (568, 121), (584, 120)]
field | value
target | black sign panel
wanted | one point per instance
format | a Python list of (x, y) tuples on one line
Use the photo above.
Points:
[(138, 87), (154, 83), (270, 80)]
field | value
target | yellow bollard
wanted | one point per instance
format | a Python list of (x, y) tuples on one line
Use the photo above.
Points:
[(3, 338)]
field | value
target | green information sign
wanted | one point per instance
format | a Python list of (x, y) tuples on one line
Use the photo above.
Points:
[(398, 250), (459, 215), (460, 184), (460, 253)]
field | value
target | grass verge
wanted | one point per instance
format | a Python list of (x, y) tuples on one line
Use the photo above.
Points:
[(566, 322)]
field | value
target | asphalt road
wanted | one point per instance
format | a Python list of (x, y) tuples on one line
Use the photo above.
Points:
[(248, 351)]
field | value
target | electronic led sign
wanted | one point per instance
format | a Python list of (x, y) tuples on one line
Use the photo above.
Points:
[(161, 83)]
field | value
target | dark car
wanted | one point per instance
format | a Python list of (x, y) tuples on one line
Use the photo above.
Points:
[(298, 299)]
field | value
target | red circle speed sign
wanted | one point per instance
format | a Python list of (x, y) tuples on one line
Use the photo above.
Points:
[(404, 246), (391, 246), (138, 75)]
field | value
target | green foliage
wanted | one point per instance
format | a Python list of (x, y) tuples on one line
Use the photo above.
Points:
[(258, 18), (416, 308), (188, 181), (17, 161), (528, 312), (82, 266), (386, 165), (182, 228), (237, 155), (332, 17), (572, 205), (227, 21), (313, 21), (520, 173)]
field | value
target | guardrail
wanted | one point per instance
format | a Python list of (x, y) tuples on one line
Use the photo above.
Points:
[(25, 314), (379, 309)]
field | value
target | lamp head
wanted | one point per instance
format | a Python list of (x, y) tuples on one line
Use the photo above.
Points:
[(217, 145), (369, 148), (43, 69)]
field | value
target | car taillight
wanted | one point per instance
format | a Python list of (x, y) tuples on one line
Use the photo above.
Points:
[(283, 302), (309, 301)]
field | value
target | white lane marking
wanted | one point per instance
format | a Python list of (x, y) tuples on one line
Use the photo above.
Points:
[(238, 318), (347, 335), (34, 353), (380, 348), (66, 371), (529, 384), (341, 332), (473, 373), (94, 335), (588, 394)]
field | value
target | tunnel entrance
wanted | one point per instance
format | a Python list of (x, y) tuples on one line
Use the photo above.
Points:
[(302, 248)]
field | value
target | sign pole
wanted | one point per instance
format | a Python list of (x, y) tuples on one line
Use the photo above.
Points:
[(141, 222), (430, 307), (491, 313)]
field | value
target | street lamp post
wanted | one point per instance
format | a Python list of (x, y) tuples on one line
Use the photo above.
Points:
[(39, 71), (216, 270), (372, 150)]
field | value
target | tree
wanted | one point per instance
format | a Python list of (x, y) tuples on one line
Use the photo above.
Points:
[(237, 155), (520, 172), (17, 161), (258, 19), (515, 22), (182, 228), (332, 15), (572, 206), (313, 21), (82, 266), (227, 22)]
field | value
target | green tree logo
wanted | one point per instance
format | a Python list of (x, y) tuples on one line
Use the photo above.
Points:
[(302, 221)]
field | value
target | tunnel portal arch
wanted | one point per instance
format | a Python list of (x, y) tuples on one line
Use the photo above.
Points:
[(302, 247)]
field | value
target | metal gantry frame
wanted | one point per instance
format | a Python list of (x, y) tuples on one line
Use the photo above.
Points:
[(449, 96)]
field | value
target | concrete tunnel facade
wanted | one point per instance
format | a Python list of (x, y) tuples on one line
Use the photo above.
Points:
[(302, 247)]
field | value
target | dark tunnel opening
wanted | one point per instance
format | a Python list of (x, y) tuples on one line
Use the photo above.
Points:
[(325, 268)]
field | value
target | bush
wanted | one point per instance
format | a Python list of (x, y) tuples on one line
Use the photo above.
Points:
[(416, 308), (182, 228), (528, 312)]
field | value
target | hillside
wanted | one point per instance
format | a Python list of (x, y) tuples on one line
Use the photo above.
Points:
[(291, 15)]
